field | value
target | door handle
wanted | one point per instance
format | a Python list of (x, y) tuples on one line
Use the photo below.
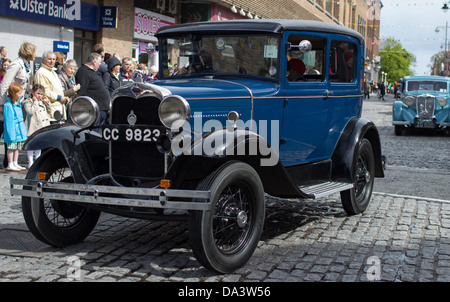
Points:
[(327, 94)]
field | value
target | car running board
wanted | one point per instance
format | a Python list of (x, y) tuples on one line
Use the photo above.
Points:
[(325, 189)]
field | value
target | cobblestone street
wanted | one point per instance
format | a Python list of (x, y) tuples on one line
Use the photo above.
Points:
[(398, 238)]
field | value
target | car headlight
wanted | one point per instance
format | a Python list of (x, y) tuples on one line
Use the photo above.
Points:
[(409, 100), (84, 111), (174, 112), (442, 101)]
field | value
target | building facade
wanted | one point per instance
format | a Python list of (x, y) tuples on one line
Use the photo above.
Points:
[(127, 27)]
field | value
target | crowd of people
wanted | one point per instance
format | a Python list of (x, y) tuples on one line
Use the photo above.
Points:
[(381, 88), (28, 101)]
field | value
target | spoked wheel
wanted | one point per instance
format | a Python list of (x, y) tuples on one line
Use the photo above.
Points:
[(225, 237), (55, 222), (356, 200)]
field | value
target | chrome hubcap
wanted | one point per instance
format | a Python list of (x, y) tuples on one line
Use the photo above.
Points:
[(241, 219)]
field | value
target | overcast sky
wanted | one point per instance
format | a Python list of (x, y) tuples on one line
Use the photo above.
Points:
[(414, 23)]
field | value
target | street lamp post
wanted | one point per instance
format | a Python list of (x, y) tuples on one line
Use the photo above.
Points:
[(445, 8)]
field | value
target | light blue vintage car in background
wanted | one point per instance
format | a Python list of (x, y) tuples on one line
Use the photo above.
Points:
[(424, 104)]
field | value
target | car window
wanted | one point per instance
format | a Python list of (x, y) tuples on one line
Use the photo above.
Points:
[(306, 66), (245, 55), (427, 86), (342, 61)]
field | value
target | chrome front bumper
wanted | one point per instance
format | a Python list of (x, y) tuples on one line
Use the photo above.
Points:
[(111, 195), (401, 123)]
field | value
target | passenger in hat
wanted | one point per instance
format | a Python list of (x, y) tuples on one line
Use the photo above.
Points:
[(296, 69)]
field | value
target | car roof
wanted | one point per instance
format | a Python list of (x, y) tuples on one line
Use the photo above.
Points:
[(426, 78), (259, 26)]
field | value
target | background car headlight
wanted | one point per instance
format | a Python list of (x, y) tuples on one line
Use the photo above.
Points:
[(409, 100), (174, 112), (442, 101), (84, 111)]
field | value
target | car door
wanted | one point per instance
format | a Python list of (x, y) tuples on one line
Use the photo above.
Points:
[(304, 127), (319, 105), (346, 82)]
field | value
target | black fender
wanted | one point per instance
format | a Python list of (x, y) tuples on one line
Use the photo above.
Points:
[(223, 145), (84, 150), (345, 154)]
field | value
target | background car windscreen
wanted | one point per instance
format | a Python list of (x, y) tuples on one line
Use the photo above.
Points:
[(427, 86)]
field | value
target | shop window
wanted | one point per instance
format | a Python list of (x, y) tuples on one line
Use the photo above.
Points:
[(83, 44), (336, 10), (320, 3), (329, 7)]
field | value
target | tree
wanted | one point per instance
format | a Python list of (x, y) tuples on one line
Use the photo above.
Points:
[(395, 60), (438, 63)]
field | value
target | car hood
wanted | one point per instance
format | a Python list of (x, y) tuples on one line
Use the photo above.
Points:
[(436, 94), (204, 88)]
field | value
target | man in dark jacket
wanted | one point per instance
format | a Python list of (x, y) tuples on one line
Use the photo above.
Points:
[(382, 88), (92, 85), (111, 78)]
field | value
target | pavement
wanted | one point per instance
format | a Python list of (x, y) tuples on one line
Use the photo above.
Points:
[(399, 238)]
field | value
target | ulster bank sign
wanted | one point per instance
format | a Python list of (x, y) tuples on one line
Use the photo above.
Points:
[(73, 13)]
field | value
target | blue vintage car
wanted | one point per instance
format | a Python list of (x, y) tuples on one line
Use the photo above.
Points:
[(242, 109), (423, 104)]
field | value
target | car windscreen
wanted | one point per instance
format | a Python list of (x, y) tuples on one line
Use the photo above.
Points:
[(439, 86), (252, 55)]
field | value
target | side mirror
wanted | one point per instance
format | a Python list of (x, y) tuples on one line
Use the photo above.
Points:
[(305, 46)]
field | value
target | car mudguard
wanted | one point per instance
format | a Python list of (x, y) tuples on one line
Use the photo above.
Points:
[(84, 150), (344, 157), (400, 113), (223, 145)]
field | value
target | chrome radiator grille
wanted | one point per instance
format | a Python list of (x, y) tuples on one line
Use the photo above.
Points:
[(136, 160), (426, 106)]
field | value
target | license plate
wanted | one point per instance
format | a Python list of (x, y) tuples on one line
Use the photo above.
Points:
[(424, 124), (126, 133)]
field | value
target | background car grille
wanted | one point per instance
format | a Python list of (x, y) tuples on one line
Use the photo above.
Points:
[(130, 161), (425, 107)]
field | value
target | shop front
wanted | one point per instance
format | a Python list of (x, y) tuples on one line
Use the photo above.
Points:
[(56, 25), (145, 45)]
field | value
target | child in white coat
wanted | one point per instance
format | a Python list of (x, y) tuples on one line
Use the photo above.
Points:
[(39, 110)]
